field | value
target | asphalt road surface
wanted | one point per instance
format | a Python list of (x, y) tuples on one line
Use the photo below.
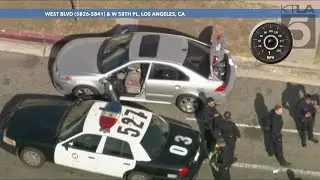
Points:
[(21, 74)]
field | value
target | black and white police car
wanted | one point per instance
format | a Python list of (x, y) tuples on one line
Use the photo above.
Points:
[(103, 137)]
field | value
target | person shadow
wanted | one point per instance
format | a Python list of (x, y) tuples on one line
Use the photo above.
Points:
[(290, 98), (262, 113), (291, 175)]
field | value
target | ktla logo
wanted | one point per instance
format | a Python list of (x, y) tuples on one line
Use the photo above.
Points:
[(301, 23)]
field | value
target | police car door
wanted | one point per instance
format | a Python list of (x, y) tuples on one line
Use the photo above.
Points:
[(115, 158), (79, 152)]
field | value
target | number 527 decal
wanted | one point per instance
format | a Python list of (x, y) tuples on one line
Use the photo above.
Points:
[(130, 131), (178, 150)]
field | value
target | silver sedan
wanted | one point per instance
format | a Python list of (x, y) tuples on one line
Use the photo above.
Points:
[(147, 67)]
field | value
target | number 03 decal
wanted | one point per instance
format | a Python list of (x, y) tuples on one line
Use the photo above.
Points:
[(178, 150)]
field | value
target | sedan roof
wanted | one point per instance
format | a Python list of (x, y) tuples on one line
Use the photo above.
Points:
[(158, 47)]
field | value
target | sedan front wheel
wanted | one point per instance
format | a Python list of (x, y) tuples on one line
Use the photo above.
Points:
[(84, 91)]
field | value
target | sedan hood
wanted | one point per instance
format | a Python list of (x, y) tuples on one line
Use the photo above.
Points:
[(79, 56)]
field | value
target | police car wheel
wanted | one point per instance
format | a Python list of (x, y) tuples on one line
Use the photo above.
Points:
[(187, 103), (83, 90), (32, 157), (137, 176)]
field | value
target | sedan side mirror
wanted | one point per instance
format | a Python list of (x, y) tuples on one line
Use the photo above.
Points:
[(125, 30), (104, 80)]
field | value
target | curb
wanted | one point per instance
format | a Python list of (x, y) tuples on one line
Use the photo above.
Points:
[(33, 37)]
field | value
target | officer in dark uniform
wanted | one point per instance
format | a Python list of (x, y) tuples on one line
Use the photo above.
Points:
[(276, 127), (306, 113), (230, 133), (205, 123), (219, 166), (215, 131)]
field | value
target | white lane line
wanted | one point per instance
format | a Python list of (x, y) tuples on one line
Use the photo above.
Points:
[(258, 127), (274, 169)]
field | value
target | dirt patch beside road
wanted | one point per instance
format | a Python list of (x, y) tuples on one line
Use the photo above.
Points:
[(236, 30)]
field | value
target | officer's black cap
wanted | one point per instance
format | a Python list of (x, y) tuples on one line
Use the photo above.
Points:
[(220, 141), (308, 96), (277, 107), (210, 99)]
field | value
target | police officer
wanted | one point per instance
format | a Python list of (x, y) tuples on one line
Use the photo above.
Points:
[(204, 121), (230, 133), (306, 113), (219, 166), (276, 127), (215, 131)]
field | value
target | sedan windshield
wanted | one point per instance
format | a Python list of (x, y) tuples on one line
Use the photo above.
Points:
[(74, 120), (114, 53), (156, 136)]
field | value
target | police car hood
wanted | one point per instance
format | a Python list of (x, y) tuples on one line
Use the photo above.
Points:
[(181, 147), (37, 119)]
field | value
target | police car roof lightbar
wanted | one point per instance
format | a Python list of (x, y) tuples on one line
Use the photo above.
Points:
[(109, 115)]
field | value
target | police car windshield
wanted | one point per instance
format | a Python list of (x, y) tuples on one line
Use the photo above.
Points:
[(74, 120), (156, 136)]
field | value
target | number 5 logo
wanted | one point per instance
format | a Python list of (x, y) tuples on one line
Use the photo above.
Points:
[(178, 150), (302, 29), (300, 32)]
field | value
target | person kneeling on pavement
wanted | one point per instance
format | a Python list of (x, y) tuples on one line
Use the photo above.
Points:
[(219, 166)]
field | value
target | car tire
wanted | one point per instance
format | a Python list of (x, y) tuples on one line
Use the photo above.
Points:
[(182, 103), (84, 88), (137, 176), (32, 157)]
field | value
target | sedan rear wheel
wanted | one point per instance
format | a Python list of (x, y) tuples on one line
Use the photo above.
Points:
[(84, 91), (188, 103)]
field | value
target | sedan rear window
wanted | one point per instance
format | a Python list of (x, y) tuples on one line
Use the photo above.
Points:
[(149, 46), (198, 59)]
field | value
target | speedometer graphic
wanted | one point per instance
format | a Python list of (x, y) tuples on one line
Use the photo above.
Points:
[(270, 42)]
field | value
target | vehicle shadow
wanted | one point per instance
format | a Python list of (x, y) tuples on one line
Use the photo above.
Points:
[(262, 113), (12, 103), (290, 98), (117, 29), (291, 175)]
